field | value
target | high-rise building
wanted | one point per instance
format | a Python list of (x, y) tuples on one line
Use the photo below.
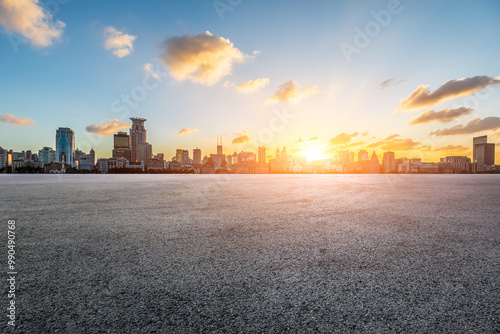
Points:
[(144, 152), (374, 164), (178, 155), (261, 155), (65, 146), (196, 156), (185, 157), (121, 148), (483, 153), (137, 136), (284, 155), (3, 158), (363, 156), (389, 163), (219, 158)]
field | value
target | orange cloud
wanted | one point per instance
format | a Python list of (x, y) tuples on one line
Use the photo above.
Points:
[(108, 128), (292, 91), (395, 143), (241, 139), (250, 86), (342, 138), (473, 126), (204, 58), (443, 115), (300, 140), (11, 119), (187, 131), (30, 20), (120, 43), (423, 97)]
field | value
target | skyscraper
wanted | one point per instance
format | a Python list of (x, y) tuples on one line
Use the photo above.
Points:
[(197, 156), (483, 153), (389, 162), (65, 146), (137, 136), (374, 164), (185, 157), (121, 147), (178, 155), (261, 157)]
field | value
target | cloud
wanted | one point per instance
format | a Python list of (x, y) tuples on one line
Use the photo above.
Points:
[(473, 126), (250, 86), (395, 143), (187, 131), (295, 150), (120, 43), (494, 135), (300, 140), (241, 139), (452, 148), (390, 82), (292, 91), (423, 97), (30, 20), (443, 115), (366, 133), (108, 128), (11, 119), (342, 138), (204, 58)]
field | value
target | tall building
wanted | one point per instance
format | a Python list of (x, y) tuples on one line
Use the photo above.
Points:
[(65, 146), (363, 156), (185, 157), (137, 136), (196, 156), (121, 148), (3, 158), (219, 158), (261, 155), (284, 155), (178, 155), (374, 164), (389, 163), (144, 152), (483, 153)]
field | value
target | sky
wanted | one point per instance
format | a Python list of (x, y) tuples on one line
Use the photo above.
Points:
[(420, 78)]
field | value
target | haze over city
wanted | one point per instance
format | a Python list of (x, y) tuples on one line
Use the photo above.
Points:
[(420, 79)]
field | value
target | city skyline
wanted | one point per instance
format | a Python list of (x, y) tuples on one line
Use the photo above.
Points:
[(316, 86)]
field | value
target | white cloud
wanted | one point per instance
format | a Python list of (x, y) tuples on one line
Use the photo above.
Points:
[(250, 86), (30, 20), (204, 58), (120, 43)]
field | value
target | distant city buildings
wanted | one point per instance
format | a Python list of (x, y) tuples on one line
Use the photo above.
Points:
[(132, 151)]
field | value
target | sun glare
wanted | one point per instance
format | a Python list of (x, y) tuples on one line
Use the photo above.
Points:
[(312, 154)]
